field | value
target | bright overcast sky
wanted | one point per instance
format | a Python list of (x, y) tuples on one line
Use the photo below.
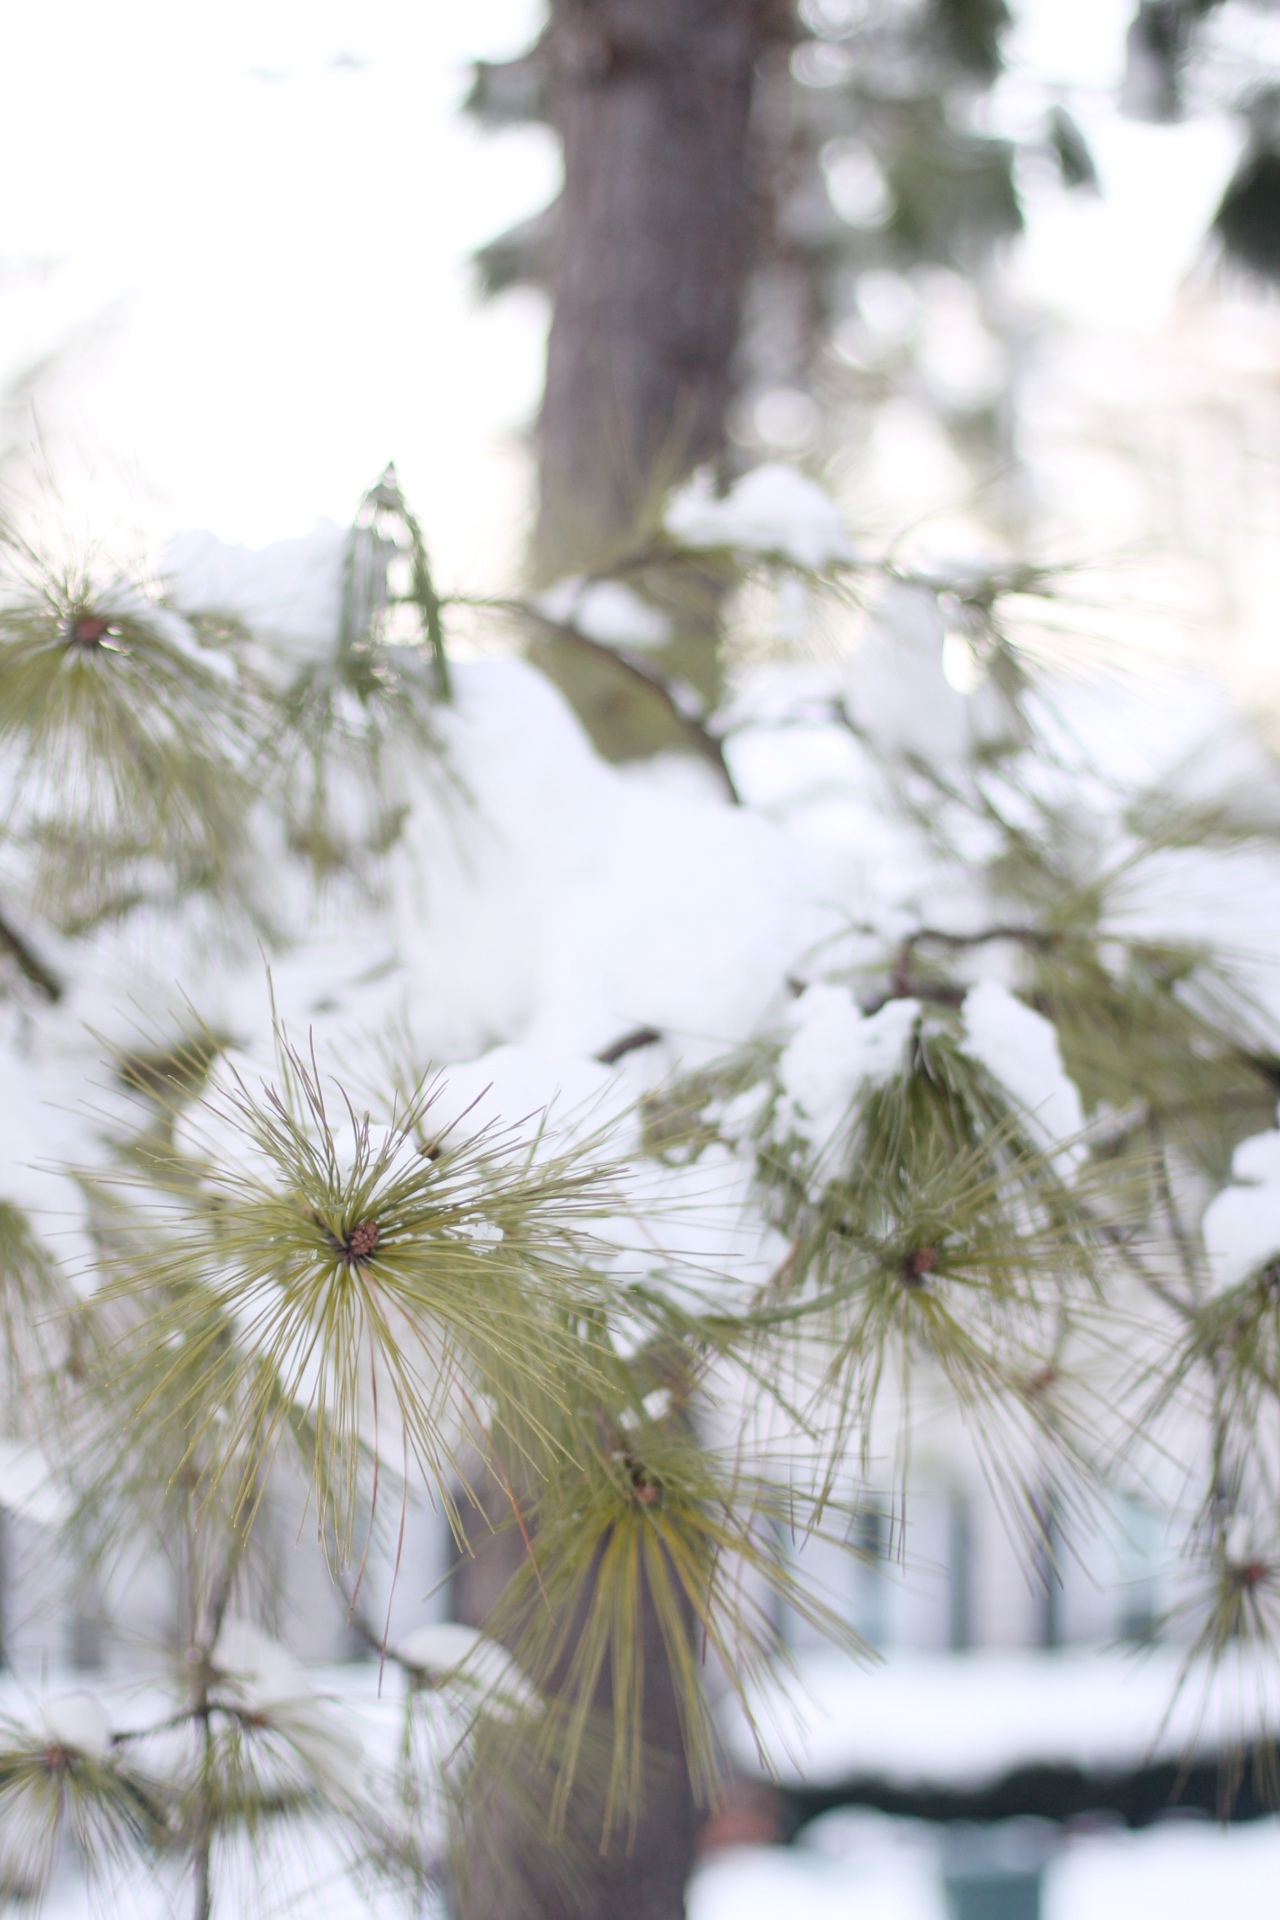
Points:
[(247, 225)]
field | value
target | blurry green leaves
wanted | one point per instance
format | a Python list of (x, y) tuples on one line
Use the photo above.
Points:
[(142, 753), (355, 719), (1160, 1032), (970, 31), (1071, 151), (124, 749), (65, 1778), (33, 1292), (953, 191), (649, 1552), (233, 1757)]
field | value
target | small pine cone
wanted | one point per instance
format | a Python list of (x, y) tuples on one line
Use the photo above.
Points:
[(919, 1262), (88, 630), (362, 1242)]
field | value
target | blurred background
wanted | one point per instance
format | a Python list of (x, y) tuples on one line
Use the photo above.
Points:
[(238, 273)]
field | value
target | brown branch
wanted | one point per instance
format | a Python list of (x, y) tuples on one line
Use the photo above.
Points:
[(904, 987), (628, 1043), (704, 742), (32, 968)]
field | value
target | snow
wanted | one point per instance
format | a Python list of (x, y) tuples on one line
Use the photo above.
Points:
[(123, 597), (290, 590), (1257, 1159), (759, 1883), (1180, 1871), (772, 510), (256, 1667), (564, 903), (1241, 1225), (44, 1130), (606, 611), (891, 1870), (1019, 1048), (964, 1720), (454, 1656), (850, 1864), (78, 1720), (258, 1673), (27, 1485), (897, 690), (834, 1053)]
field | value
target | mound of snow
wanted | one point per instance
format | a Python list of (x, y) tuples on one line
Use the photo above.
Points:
[(605, 611), (1019, 1048), (773, 509), (453, 1655), (290, 590), (1241, 1225), (896, 688), (834, 1053)]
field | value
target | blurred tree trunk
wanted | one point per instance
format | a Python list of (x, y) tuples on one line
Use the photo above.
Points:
[(652, 100), (653, 245), (648, 271), (510, 1868)]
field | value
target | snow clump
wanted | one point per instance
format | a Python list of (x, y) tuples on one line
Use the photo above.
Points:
[(773, 509), (290, 590), (835, 1052), (606, 612), (1241, 1225), (456, 1656), (1019, 1048), (897, 690), (79, 1721)]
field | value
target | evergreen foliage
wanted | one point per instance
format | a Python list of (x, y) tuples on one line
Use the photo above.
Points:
[(336, 1276)]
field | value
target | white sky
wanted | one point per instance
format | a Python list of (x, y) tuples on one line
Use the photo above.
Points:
[(258, 256), (253, 251)]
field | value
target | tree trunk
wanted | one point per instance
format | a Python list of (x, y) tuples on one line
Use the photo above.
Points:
[(653, 242), (510, 1866)]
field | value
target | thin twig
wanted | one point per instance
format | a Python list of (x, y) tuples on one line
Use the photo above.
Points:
[(29, 964)]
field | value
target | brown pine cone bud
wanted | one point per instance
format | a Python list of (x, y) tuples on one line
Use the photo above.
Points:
[(919, 1262), (1251, 1574), (362, 1242), (88, 630)]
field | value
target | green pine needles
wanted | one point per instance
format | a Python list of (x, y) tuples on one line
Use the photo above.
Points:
[(125, 741), (322, 1294), (371, 1285), (357, 723)]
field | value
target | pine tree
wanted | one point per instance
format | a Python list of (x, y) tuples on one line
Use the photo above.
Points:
[(972, 1154)]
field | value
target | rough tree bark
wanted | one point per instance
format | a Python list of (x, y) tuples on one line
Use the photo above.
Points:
[(648, 270)]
